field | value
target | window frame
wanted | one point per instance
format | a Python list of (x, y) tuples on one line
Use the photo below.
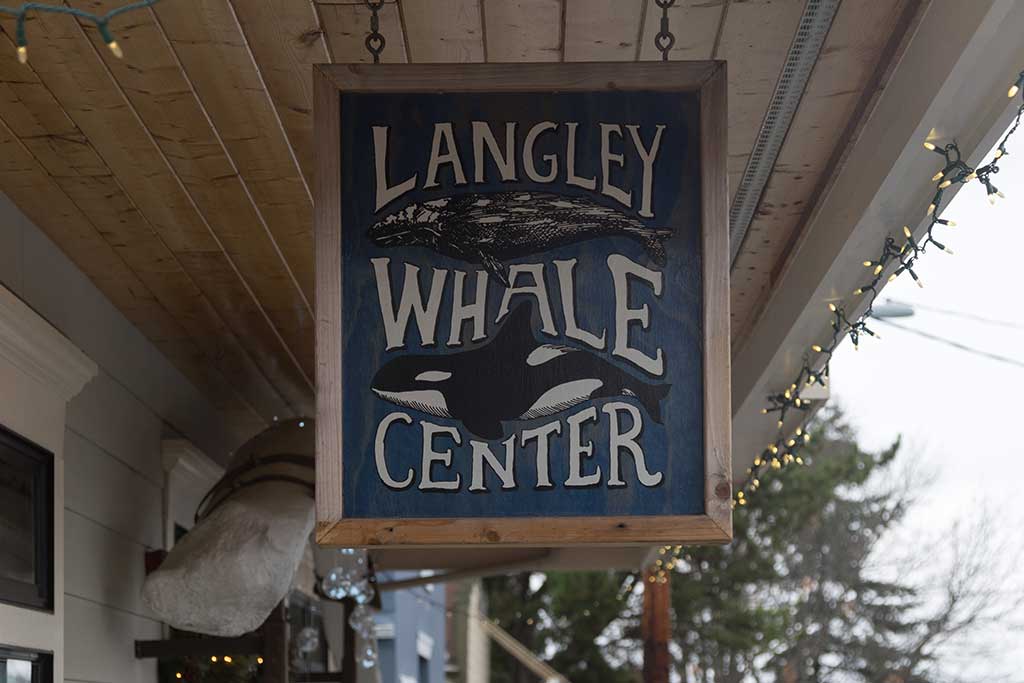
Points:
[(37, 595), (42, 661)]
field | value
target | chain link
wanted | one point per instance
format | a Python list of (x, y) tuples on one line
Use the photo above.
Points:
[(375, 40), (665, 38)]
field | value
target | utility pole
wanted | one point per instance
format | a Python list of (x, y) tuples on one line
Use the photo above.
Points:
[(656, 626)]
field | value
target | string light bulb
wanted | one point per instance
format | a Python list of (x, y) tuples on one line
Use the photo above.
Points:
[(101, 21), (955, 171)]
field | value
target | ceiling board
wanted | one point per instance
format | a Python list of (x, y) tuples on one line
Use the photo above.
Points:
[(67, 156), (180, 175), (755, 41), (840, 80), (347, 25), (160, 94), (442, 31), (523, 30), (286, 40), (44, 202), (693, 22), (602, 30), (70, 69), (241, 114)]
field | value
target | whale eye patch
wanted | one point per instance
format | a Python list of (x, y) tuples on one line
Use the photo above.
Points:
[(433, 376)]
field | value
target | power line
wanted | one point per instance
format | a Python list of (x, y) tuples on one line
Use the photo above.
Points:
[(955, 344), (960, 314)]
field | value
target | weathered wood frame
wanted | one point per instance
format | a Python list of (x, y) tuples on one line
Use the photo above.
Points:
[(708, 78)]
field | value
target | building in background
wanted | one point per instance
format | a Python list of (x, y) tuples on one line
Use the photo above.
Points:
[(410, 628)]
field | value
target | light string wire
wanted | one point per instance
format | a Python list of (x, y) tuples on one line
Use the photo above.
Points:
[(893, 260), (101, 21)]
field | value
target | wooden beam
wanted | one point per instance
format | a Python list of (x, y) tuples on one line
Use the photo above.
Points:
[(656, 627)]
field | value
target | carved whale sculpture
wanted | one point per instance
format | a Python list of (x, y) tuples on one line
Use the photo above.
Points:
[(511, 377), (489, 229), (229, 571)]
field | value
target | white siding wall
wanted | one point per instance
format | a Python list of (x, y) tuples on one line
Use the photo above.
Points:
[(111, 446)]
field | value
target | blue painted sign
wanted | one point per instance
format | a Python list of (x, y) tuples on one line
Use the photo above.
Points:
[(521, 304)]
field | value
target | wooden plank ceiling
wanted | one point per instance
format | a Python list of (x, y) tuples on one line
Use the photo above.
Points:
[(179, 178)]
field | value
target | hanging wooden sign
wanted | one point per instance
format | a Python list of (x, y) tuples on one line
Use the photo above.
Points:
[(522, 304)]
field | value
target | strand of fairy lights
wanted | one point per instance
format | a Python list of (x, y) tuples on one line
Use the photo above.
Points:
[(893, 260), (101, 21)]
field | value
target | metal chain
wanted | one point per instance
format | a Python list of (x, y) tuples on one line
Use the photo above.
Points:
[(375, 40), (665, 38)]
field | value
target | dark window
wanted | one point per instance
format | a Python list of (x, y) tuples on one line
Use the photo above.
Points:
[(424, 672), (25, 666), (26, 523)]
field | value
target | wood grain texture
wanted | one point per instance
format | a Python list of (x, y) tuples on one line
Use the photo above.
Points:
[(346, 26), (523, 30), (443, 31), (517, 77), (286, 40), (602, 30), (694, 24), (178, 182), (161, 94), (755, 41), (839, 86), (714, 526), (69, 157), (538, 532), (240, 114), (714, 137), (327, 118)]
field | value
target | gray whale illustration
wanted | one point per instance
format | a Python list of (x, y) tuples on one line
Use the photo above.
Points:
[(510, 377), (489, 229)]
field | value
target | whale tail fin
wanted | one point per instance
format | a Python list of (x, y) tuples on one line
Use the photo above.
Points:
[(653, 242), (650, 396)]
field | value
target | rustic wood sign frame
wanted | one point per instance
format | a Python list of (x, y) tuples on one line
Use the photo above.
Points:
[(708, 79)]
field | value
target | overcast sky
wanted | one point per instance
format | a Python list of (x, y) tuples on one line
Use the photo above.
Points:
[(961, 415)]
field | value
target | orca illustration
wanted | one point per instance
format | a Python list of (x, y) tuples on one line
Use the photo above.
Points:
[(511, 377)]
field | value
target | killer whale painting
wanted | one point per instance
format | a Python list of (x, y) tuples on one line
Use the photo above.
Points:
[(513, 313), (490, 229), (511, 377)]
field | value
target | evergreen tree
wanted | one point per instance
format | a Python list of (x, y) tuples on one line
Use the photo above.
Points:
[(793, 598)]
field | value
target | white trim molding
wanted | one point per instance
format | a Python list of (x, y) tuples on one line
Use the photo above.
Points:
[(183, 453), (38, 349)]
